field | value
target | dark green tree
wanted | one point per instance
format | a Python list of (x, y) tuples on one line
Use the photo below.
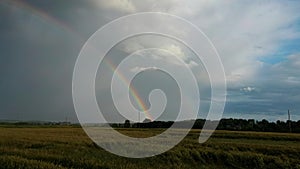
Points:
[(127, 124)]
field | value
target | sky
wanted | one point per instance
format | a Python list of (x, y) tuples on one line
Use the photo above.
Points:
[(257, 40)]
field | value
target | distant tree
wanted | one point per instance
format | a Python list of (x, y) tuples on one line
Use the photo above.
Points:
[(127, 124), (224, 124)]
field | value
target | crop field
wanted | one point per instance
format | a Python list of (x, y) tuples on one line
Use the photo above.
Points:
[(70, 147)]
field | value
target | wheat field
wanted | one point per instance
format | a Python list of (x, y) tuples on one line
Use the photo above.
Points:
[(69, 147)]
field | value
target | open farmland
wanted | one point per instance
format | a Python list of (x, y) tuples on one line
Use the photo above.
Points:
[(69, 147)]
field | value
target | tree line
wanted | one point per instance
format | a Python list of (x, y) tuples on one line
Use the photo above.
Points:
[(224, 124)]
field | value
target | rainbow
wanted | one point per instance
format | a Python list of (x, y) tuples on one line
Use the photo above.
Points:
[(52, 21), (43, 16), (132, 90)]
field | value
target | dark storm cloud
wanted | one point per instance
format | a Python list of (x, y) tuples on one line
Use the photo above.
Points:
[(40, 41), (36, 60)]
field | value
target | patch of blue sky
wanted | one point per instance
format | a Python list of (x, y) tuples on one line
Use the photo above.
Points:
[(285, 49)]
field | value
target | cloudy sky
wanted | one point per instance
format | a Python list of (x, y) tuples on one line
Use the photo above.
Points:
[(258, 42)]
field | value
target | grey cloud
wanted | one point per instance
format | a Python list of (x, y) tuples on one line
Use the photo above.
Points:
[(274, 91)]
